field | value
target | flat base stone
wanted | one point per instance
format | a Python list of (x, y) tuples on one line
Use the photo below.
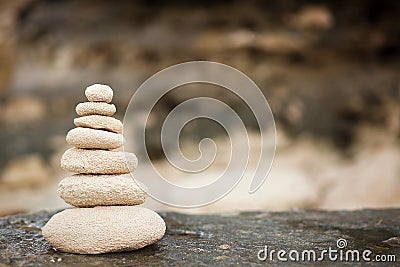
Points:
[(103, 229), (225, 239)]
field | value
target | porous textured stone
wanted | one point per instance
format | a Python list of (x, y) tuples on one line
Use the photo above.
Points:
[(103, 229), (98, 161), (95, 108), (93, 138), (99, 122), (101, 190), (99, 93)]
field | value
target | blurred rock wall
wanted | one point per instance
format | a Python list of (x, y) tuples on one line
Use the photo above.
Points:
[(330, 69)]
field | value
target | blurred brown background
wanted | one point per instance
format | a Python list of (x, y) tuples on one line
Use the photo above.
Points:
[(329, 69)]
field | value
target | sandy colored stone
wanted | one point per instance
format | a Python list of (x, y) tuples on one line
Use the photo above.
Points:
[(99, 122), (98, 161), (95, 108), (103, 229), (93, 138), (101, 190), (99, 93)]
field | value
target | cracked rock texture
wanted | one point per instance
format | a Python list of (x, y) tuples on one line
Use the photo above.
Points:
[(220, 239)]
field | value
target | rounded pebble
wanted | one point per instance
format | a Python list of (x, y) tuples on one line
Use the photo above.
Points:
[(93, 139), (98, 161), (99, 122), (101, 190), (103, 229), (99, 93), (95, 108)]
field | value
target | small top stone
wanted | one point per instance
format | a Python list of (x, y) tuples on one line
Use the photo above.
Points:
[(99, 93)]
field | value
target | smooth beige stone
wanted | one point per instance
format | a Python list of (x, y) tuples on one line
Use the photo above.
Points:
[(101, 190), (95, 108), (93, 138), (103, 229), (99, 93), (99, 122), (98, 161)]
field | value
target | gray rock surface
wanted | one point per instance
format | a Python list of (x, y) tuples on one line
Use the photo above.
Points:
[(225, 239)]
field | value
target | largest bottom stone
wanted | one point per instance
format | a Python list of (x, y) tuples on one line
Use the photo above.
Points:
[(103, 229)]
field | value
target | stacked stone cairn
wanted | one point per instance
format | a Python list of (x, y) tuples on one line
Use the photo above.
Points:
[(107, 217)]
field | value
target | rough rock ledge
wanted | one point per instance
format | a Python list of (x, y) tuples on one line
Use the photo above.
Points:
[(224, 239)]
